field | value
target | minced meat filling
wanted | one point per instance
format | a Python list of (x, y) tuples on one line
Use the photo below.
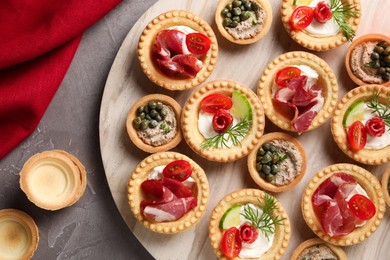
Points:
[(317, 252)]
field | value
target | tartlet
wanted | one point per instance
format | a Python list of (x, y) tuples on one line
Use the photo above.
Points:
[(165, 21), (194, 138), (263, 4), (372, 37), (316, 42), (282, 232), (19, 235), (385, 185), (338, 251), (135, 195), (132, 131), (53, 180), (252, 162), (274, 111), (366, 156), (371, 186)]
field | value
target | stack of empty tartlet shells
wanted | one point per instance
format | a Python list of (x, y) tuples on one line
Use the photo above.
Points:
[(53, 180)]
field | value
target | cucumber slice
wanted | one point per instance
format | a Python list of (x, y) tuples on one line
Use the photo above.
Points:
[(354, 113), (241, 107), (231, 218)]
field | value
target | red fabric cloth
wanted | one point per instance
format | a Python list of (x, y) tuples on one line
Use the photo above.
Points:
[(38, 39)]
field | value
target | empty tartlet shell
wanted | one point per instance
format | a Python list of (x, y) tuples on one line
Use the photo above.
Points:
[(12, 236), (252, 162), (326, 75), (132, 132), (240, 197), (134, 193), (264, 4), (147, 39), (338, 251), (317, 43), (385, 183), (366, 156), (372, 37), (367, 181), (71, 166), (190, 115)]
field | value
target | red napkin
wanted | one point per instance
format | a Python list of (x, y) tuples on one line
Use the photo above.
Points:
[(38, 40)]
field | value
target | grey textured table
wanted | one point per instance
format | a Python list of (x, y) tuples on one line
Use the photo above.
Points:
[(92, 228)]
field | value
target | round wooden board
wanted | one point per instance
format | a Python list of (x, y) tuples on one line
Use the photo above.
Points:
[(126, 83)]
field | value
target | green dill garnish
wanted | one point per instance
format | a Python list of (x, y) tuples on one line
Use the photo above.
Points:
[(266, 221), (341, 13), (383, 111), (371, 64), (295, 2), (232, 134)]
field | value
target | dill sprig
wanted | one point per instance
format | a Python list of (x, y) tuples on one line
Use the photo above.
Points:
[(341, 13), (266, 221), (383, 111), (232, 134)]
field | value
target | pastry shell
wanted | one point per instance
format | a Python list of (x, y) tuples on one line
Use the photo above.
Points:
[(53, 180), (19, 235), (147, 39), (282, 232), (134, 193), (318, 43), (368, 182), (252, 162), (338, 251), (189, 121), (372, 37), (366, 156), (326, 76), (264, 4), (132, 132), (385, 183)]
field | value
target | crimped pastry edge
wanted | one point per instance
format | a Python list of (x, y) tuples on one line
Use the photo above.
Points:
[(385, 182), (316, 241)]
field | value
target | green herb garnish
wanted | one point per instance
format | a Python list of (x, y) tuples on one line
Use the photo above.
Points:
[(295, 2), (232, 134), (371, 64), (266, 221), (341, 12), (382, 111)]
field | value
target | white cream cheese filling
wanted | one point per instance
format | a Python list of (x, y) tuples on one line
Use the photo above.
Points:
[(375, 142), (328, 28)]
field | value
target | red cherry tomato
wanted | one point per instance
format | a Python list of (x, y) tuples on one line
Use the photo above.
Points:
[(362, 207), (284, 75), (197, 43), (248, 233), (212, 103), (375, 126), (222, 119), (301, 17), (322, 12), (357, 136), (231, 242), (178, 170)]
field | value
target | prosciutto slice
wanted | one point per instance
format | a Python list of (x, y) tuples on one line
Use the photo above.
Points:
[(170, 211)]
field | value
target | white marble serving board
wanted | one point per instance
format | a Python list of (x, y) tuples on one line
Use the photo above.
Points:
[(126, 83)]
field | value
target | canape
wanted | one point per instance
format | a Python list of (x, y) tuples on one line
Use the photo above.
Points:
[(299, 91), (316, 248), (386, 185), (278, 162), (177, 50), (343, 204), (222, 120), (168, 192)]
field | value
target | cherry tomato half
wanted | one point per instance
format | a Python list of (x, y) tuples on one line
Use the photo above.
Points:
[(198, 43), (222, 119), (322, 12), (284, 75), (362, 207), (357, 136), (248, 233), (231, 243), (212, 103), (178, 170), (375, 126), (301, 17)]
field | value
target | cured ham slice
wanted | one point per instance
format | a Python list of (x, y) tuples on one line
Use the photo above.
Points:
[(182, 64), (170, 211), (178, 188), (167, 196)]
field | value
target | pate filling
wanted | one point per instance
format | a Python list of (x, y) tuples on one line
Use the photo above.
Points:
[(249, 28), (317, 252)]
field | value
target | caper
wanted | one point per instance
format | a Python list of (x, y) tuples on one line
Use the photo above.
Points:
[(159, 106), (152, 105), (158, 118), (153, 123), (236, 18), (387, 51), (266, 159), (378, 49), (226, 22), (142, 115), (236, 11), (381, 71), (274, 168), (248, 6), (229, 6), (163, 113), (140, 110), (224, 12), (272, 148), (144, 124), (259, 167), (262, 175), (137, 123), (163, 125), (233, 24), (261, 151), (386, 76), (382, 44), (237, 3), (377, 65), (148, 117), (245, 15), (375, 56), (382, 63), (266, 146), (275, 158), (387, 59), (242, 8), (266, 169), (146, 109), (229, 15), (269, 177), (153, 113), (255, 7), (388, 69)]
